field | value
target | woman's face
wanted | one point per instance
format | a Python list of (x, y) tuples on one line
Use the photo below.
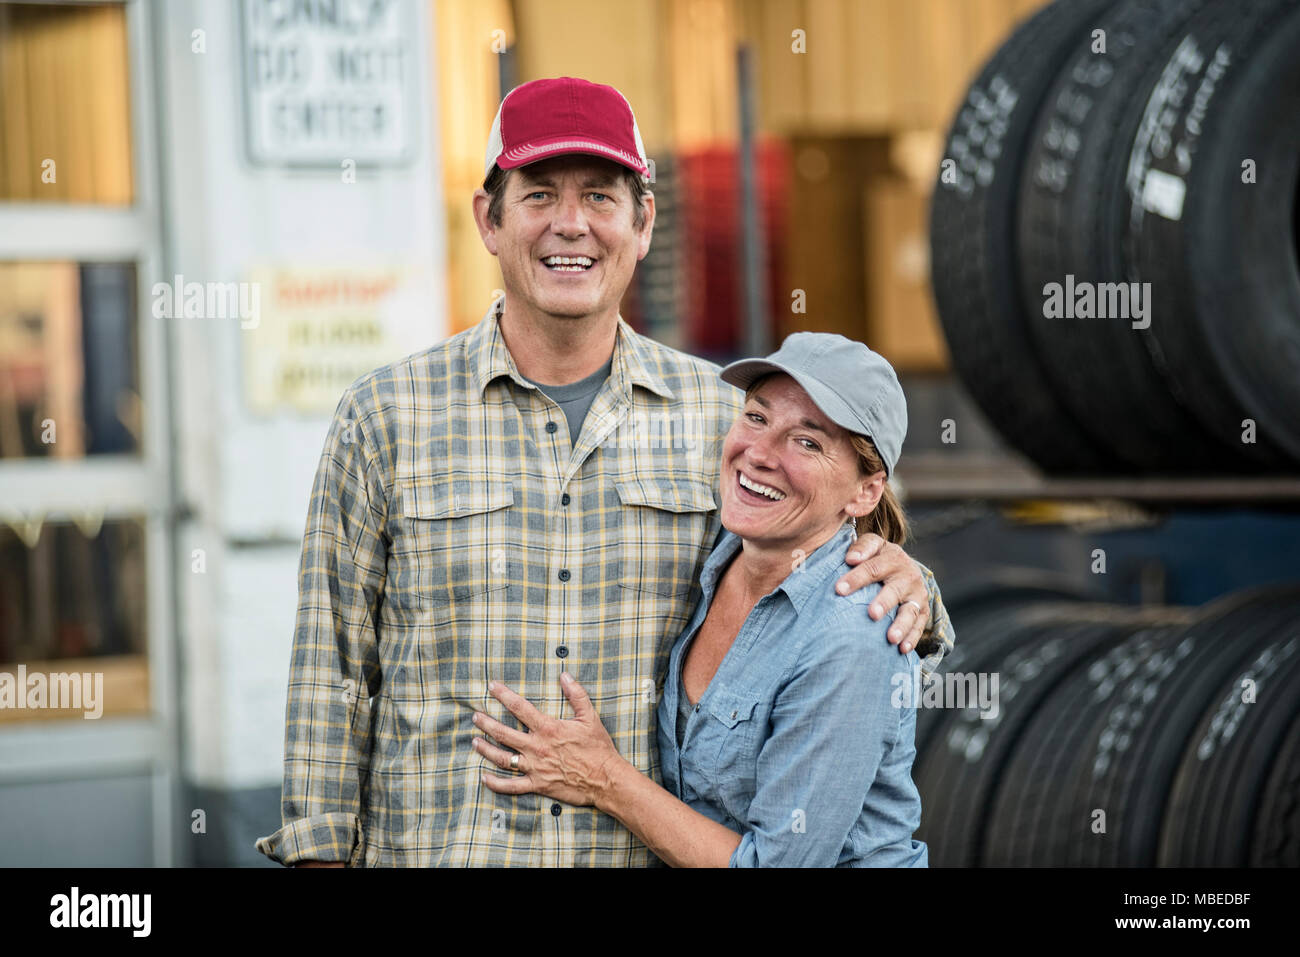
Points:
[(783, 443)]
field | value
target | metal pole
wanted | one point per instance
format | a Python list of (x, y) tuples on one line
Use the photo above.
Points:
[(505, 72), (753, 268)]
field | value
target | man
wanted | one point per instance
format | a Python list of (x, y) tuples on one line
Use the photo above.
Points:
[(534, 494)]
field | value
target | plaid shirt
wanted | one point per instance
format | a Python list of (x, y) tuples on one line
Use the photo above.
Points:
[(454, 536)]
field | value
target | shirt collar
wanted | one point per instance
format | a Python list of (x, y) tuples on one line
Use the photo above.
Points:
[(811, 577), (489, 358)]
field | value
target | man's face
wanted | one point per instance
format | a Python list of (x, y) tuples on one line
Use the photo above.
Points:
[(576, 207)]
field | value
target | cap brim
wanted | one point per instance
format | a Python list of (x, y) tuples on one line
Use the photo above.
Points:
[(518, 156), (743, 372)]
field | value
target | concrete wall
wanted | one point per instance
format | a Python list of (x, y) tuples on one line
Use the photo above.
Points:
[(244, 478)]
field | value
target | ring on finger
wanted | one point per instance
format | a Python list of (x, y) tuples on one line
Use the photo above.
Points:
[(514, 762), (919, 609)]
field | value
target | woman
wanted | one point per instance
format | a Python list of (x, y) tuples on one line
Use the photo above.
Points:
[(781, 741)]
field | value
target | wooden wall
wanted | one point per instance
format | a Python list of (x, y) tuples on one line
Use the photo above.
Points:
[(65, 97), (865, 107)]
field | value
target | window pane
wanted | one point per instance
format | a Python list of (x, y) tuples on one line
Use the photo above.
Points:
[(72, 616), (69, 375), (65, 119)]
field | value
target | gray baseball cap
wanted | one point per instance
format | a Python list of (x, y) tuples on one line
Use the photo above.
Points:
[(854, 387)]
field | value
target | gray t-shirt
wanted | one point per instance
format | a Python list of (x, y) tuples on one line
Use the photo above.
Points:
[(576, 397)]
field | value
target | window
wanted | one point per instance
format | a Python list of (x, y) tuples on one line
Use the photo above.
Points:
[(65, 107), (69, 379)]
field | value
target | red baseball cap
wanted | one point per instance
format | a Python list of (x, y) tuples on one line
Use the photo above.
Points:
[(550, 117)]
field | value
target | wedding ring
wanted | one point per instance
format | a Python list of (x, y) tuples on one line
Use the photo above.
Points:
[(919, 609), (514, 762)]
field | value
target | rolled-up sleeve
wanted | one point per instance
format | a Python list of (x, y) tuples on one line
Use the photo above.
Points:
[(334, 667), (830, 727), (939, 637)]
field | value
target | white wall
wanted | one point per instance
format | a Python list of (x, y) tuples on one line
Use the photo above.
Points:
[(247, 478)]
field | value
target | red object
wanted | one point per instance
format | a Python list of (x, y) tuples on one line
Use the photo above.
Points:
[(564, 114), (710, 211)]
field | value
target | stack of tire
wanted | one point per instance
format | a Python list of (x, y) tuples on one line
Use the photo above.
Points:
[(1130, 142), (1120, 736)]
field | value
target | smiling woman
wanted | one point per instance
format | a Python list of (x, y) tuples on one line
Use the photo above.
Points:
[(780, 742), (887, 519)]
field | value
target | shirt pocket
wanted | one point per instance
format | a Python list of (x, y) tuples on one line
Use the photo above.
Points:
[(728, 747), (453, 541), (665, 521)]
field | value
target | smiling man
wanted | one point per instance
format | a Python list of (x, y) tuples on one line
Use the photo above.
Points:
[(487, 510)]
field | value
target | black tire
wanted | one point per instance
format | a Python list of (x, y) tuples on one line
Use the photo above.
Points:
[(1211, 812), (944, 813), (1134, 750), (1029, 812), (979, 615), (1276, 841), (1069, 225), (979, 746), (1226, 322), (984, 632), (973, 265)]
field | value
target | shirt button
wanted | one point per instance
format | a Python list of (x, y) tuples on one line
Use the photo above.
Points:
[(564, 499), (562, 651), (564, 574), (556, 809), (551, 427), (733, 715)]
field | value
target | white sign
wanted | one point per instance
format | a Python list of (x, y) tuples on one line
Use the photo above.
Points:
[(327, 81), (321, 328)]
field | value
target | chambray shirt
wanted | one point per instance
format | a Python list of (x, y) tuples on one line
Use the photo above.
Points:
[(796, 743)]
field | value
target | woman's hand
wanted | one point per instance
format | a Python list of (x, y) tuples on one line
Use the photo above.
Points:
[(576, 762), (571, 761)]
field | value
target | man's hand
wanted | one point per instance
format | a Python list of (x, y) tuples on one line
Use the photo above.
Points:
[(880, 561)]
